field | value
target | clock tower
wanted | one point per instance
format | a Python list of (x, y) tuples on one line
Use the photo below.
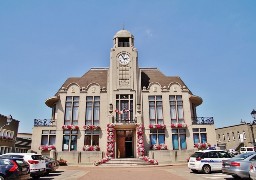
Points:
[(123, 75), (123, 62)]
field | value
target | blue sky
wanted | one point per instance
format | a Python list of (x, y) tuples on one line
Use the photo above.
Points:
[(211, 45)]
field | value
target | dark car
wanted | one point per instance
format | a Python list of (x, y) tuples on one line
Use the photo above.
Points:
[(51, 164), (14, 168)]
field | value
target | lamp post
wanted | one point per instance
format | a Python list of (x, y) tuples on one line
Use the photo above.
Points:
[(253, 113), (8, 121)]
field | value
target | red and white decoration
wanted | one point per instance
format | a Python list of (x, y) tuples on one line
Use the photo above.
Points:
[(91, 127), (47, 147), (122, 111), (70, 127), (91, 148), (202, 146), (110, 140), (104, 160), (140, 141), (159, 147), (157, 126), (147, 159), (178, 125)]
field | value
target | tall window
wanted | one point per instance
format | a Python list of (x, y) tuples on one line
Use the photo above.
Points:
[(179, 139), (157, 136), (124, 107), (199, 135), (92, 114), (71, 110), (69, 140), (155, 109), (48, 137), (233, 135), (228, 137), (176, 108), (92, 138)]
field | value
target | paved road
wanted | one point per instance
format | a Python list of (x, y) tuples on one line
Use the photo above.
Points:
[(132, 173)]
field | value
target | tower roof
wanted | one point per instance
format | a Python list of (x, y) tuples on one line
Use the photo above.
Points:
[(123, 33)]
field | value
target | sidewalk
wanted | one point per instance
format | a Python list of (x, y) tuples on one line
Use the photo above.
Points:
[(130, 166)]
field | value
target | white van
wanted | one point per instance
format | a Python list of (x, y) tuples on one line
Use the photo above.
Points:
[(246, 149), (36, 162)]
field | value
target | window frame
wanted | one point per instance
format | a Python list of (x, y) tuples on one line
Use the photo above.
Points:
[(69, 134), (72, 103), (95, 103), (156, 101), (48, 134), (92, 134), (176, 105), (179, 132), (200, 132), (157, 133)]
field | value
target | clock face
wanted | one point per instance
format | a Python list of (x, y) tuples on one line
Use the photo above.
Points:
[(124, 58)]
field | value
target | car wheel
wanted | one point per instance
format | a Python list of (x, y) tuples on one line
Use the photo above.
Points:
[(35, 177), (194, 171), (206, 169), (1, 177), (236, 177)]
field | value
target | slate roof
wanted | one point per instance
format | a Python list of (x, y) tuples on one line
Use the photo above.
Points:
[(99, 75)]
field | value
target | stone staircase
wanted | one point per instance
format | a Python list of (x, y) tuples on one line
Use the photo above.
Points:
[(125, 162)]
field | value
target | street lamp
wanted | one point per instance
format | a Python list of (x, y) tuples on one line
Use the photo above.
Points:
[(253, 113)]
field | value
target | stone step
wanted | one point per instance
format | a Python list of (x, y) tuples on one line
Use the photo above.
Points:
[(126, 162)]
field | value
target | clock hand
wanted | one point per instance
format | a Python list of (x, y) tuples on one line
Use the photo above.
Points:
[(123, 57)]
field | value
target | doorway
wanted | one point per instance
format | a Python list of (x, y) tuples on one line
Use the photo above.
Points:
[(124, 144)]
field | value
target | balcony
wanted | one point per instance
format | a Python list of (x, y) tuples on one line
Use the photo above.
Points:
[(202, 121), (127, 121), (44, 122)]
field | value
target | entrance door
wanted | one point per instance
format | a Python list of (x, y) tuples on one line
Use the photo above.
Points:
[(124, 144)]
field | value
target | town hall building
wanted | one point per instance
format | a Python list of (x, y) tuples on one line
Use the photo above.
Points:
[(123, 111)]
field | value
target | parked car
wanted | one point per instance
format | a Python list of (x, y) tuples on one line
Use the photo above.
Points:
[(207, 160), (36, 162), (14, 168), (246, 149), (252, 171), (239, 165), (51, 164)]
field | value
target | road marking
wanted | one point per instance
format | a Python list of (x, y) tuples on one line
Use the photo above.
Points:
[(214, 176)]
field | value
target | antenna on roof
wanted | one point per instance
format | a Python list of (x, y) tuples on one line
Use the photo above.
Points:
[(123, 26)]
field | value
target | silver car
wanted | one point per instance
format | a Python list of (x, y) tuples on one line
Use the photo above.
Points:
[(239, 165)]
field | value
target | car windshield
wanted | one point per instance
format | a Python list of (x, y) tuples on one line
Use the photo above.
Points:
[(197, 154), (223, 154), (243, 156)]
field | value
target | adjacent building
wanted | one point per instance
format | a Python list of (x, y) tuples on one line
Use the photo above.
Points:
[(122, 111), (8, 134), (23, 142), (236, 136)]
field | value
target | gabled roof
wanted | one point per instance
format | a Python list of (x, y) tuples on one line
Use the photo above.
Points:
[(150, 75), (94, 75)]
